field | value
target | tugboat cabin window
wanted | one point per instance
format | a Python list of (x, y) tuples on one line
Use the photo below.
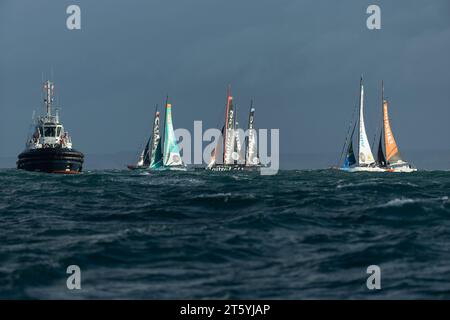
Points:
[(49, 131), (41, 131), (58, 131)]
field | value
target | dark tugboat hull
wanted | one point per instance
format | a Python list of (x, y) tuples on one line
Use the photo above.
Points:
[(51, 160)]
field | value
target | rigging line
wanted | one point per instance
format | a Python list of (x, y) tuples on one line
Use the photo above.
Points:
[(348, 133), (380, 117), (219, 120), (380, 120)]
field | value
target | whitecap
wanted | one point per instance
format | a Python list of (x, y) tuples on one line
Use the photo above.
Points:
[(399, 202)]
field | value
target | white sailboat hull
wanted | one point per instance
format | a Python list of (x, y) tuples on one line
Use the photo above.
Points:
[(171, 168), (363, 169), (405, 169)]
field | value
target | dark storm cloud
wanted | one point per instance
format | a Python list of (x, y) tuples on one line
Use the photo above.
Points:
[(300, 60)]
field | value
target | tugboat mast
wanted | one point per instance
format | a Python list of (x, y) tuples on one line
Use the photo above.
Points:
[(49, 88)]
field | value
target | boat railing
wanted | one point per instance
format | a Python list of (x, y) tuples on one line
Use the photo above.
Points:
[(49, 119)]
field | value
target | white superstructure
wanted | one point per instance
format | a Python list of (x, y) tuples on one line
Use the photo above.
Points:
[(48, 130)]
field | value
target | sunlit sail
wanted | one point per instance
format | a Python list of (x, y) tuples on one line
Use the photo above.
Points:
[(365, 161), (391, 158), (172, 157)]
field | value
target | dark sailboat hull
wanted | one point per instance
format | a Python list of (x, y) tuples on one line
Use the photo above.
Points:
[(235, 167), (51, 160), (135, 167)]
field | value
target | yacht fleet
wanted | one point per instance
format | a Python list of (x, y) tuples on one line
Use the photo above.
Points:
[(49, 147)]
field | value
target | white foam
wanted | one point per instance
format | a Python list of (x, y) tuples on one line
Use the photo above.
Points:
[(399, 202)]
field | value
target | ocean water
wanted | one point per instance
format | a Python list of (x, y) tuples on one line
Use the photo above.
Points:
[(200, 235)]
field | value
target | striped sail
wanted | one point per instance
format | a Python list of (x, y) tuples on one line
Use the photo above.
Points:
[(237, 156), (172, 155), (156, 151), (229, 139), (392, 153), (365, 153), (251, 157)]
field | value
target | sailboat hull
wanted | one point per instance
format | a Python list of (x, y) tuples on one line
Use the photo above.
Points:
[(404, 168), (236, 167), (170, 168), (363, 169), (135, 167)]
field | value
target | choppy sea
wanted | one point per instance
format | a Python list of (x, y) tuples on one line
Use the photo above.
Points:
[(200, 235)]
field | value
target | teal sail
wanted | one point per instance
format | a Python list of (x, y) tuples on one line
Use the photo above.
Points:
[(172, 157), (156, 151), (350, 158)]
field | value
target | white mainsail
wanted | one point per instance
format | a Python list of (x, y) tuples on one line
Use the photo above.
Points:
[(229, 133), (252, 151), (238, 156), (365, 153)]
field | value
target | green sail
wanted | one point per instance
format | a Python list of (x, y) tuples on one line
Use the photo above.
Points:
[(172, 156)]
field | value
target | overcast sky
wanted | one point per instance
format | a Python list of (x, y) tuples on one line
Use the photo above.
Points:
[(301, 61)]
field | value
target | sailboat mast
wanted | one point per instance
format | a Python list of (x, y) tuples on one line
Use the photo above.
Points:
[(163, 135), (359, 121), (226, 122), (235, 116), (248, 127), (150, 144), (382, 106)]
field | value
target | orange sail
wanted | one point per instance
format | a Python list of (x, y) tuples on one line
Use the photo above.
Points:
[(392, 153)]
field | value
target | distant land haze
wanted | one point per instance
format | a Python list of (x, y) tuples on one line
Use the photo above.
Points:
[(423, 160)]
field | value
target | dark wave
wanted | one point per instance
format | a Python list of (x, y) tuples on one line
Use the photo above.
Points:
[(196, 234)]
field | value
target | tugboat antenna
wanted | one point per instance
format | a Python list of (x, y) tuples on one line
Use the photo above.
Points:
[(48, 88)]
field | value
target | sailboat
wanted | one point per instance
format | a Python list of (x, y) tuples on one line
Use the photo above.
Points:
[(251, 155), (232, 158), (365, 161), (390, 159), (151, 156), (171, 154)]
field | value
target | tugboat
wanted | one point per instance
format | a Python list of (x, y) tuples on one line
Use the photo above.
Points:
[(49, 149)]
